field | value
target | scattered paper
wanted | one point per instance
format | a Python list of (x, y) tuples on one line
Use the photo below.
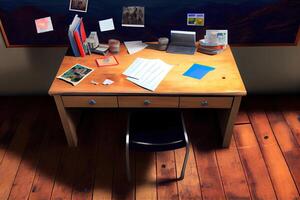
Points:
[(107, 82), (136, 69), (43, 25), (147, 73), (135, 46), (106, 25)]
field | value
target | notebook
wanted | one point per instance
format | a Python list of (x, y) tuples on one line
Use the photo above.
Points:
[(198, 71)]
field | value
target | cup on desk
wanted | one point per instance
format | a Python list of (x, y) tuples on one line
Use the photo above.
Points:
[(114, 46), (163, 43)]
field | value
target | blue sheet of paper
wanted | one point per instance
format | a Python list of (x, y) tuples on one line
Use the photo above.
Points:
[(198, 71)]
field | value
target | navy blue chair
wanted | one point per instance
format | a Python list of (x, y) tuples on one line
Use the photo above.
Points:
[(156, 130)]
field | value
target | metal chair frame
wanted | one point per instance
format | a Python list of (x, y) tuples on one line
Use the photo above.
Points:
[(187, 150)]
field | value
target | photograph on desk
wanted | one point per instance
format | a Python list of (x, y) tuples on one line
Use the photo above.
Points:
[(78, 5), (75, 74), (133, 16)]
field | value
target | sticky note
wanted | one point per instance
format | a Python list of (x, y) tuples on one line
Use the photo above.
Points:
[(43, 25), (106, 25), (198, 71)]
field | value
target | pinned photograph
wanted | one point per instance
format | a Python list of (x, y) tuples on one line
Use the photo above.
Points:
[(43, 25), (195, 19), (78, 5), (133, 16)]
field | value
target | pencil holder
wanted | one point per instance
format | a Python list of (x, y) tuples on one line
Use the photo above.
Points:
[(114, 46)]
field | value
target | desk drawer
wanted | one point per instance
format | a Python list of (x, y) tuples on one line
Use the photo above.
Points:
[(206, 102), (90, 101), (148, 102)]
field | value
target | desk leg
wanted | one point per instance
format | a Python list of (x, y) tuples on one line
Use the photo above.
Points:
[(227, 119), (68, 122)]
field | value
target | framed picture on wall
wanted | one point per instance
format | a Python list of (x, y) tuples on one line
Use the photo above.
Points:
[(133, 16), (78, 5)]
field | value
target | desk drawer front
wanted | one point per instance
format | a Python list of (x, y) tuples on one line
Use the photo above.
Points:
[(148, 102), (90, 101), (206, 102)]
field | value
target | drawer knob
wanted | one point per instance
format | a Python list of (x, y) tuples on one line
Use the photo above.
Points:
[(204, 103), (147, 102), (92, 102)]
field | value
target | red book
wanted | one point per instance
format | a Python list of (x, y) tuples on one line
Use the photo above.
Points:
[(79, 43), (82, 31), (220, 47)]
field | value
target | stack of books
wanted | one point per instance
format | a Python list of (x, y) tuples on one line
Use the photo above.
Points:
[(210, 48), (77, 37), (214, 42)]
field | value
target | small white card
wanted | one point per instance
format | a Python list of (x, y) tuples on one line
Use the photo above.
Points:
[(43, 25), (107, 82), (107, 25)]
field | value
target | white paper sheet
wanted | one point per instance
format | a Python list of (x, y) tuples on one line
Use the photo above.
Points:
[(135, 69), (147, 73), (135, 46), (106, 25)]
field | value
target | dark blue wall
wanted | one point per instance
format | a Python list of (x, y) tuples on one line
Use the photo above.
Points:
[(248, 21)]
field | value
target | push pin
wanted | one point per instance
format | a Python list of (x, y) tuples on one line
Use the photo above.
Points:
[(94, 82)]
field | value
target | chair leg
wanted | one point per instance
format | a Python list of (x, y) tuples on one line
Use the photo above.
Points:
[(187, 150), (128, 158), (187, 153)]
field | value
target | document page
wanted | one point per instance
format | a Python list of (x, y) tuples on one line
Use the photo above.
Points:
[(147, 73)]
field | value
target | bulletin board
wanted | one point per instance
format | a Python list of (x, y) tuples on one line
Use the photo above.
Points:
[(249, 22)]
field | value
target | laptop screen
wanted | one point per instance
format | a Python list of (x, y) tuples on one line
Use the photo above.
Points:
[(183, 38)]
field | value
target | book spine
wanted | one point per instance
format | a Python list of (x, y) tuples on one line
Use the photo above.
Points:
[(79, 43), (82, 31), (73, 44)]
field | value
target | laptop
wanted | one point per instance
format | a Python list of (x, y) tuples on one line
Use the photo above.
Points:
[(182, 42)]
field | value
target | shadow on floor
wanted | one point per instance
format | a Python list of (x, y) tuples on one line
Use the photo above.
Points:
[(34, 156)]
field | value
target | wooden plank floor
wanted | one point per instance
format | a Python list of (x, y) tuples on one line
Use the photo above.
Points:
[(263, 161)]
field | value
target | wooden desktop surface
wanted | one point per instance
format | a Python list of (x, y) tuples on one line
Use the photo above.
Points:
[(225, 80)]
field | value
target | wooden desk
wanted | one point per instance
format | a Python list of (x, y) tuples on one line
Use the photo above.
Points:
[(221, 88)]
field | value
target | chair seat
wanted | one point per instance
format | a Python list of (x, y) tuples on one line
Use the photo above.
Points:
[(156, 130)]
